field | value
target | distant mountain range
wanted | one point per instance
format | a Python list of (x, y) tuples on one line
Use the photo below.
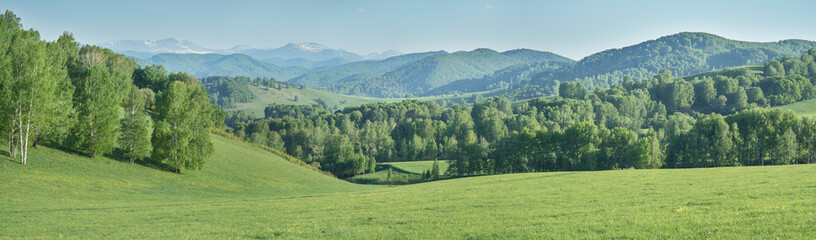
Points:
[(294, 54), (203, 65), (440, 72)]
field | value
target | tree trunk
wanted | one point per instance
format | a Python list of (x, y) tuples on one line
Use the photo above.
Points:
[(36, 138), (12, 147)]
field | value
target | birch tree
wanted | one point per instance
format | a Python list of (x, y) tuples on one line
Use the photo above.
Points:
[(9, 24), (101, 83), (134, 138), (30, 88), (181, 134)]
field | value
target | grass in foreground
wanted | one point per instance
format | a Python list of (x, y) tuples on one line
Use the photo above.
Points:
[(244, 193)]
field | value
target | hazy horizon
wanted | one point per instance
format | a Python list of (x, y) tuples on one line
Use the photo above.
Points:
[(574, 30)]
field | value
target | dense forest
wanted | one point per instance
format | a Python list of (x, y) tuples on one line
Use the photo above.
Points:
[(91, 101), (663, 121)]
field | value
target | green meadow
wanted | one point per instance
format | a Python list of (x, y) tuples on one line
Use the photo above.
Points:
[(805, 108), (247, 193)]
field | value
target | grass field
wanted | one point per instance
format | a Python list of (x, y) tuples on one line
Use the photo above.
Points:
[(244, 193), (266, 96), (756, 69), (807, 107)]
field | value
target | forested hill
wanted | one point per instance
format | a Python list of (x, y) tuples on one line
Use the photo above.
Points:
[(683, 53), (203, 65), (332, 75), (437, 70)]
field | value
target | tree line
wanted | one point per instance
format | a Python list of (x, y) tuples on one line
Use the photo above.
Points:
[(90, 100)]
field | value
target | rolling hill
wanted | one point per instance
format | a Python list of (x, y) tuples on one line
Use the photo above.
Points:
[(244, 192), (437, 70), (684, 54), (235, 171), (332, 101), (333, 75), (203, 65), (805, 108)]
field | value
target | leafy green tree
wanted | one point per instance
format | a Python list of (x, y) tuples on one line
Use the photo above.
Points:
[(102, 79), (788, 148), (153, 77), (340, 158), (574, 90), (435, 169), (705, 94), (30, 84), (181, 134), (134, 138)]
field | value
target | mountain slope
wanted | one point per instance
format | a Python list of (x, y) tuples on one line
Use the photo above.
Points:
[(310, 51), (509, 76), (683, 53), (202, 65), (333, 75), (435, 71)]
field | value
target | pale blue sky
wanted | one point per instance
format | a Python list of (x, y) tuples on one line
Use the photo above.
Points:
[(574, 29)]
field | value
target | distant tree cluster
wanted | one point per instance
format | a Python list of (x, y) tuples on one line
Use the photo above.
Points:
[(88, 99)]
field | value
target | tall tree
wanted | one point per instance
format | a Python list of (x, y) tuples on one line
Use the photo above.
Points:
[(31, 87), (134, 138), (9, 25), (101, 84), (181, 137)]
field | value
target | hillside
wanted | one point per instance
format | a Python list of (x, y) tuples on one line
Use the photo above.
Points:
[(235, 171), (332, 101), (684, 54), (504, 78), (806, 108), (438, 70), (266, 96), (243, 193), (203, 65), (332, 75)]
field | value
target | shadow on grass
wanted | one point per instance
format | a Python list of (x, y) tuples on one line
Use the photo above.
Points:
[(399, 177), (119, 156), (5, 153)]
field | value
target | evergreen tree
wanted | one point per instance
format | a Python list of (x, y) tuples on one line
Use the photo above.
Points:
[(435, 169)]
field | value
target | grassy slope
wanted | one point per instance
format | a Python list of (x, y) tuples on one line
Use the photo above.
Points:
[(756, 69), (265, 97), (245, 193), (807, 107), (235, 171)]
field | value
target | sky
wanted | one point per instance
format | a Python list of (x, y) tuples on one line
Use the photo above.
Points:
[(574, 29)]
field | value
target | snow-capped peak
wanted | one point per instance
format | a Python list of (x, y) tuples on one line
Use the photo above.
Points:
[(309, 47)]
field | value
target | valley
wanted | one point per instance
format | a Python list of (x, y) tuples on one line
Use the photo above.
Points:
[(407, 120)]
